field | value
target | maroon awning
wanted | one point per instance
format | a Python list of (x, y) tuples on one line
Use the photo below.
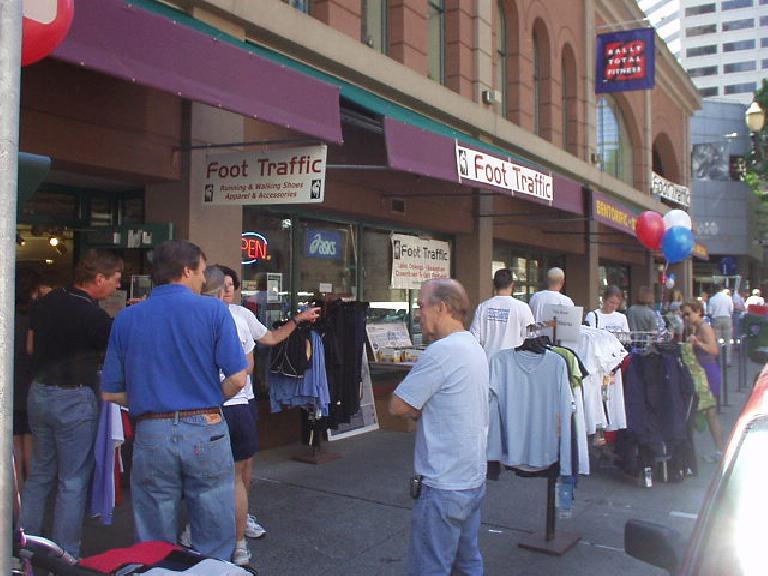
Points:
[(122, 40)]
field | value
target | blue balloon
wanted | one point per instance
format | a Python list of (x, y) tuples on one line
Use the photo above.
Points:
[(677, 244)]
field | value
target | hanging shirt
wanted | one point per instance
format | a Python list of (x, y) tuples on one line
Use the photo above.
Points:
[(500, 323), (542, 297), (531, 404)]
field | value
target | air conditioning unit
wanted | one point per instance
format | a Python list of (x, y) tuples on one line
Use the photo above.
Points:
[(491, 96)]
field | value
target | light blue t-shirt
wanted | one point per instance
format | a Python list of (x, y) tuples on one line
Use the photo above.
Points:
[(449, 384)]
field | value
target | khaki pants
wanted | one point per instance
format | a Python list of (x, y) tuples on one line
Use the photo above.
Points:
[(723, 327)]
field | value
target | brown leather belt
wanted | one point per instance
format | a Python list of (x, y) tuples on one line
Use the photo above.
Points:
[(178, 414)]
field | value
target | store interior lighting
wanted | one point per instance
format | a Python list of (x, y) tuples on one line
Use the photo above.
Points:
[(53, 241), (20, 240)]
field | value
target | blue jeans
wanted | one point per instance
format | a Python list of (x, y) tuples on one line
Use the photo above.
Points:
[(444, 527), (63, 423), (188, 457)]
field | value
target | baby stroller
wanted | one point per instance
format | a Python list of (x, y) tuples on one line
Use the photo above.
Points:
[(152, 558)]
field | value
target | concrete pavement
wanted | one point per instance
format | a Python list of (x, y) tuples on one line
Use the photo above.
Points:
[(351, 516)]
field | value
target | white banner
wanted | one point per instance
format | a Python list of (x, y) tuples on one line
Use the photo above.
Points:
[(414, 261), (282, 176), (517, 179), (676, 193)]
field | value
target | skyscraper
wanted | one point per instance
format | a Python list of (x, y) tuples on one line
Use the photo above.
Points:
[(722, 44)]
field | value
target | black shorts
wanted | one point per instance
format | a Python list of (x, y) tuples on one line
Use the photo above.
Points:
[(20, 423), (243, 437)]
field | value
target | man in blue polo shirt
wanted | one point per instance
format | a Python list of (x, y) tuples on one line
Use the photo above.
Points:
[(163, 362)]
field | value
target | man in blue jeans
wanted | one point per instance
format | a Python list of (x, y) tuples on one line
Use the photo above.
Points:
[(68, 336), (163, 362), (447, 392)]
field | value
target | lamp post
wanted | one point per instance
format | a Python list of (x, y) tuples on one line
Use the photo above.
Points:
[(754, 118), (757, 170)]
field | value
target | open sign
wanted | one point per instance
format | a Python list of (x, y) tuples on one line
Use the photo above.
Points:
[(253, 248)]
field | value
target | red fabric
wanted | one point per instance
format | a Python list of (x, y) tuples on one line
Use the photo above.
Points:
[(142, 553), (118, 479), (127, 427), (610, 436)]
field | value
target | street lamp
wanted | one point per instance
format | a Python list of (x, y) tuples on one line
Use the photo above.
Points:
[(754, 117)]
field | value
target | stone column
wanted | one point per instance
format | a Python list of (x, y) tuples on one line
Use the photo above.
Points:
[(474, 253)]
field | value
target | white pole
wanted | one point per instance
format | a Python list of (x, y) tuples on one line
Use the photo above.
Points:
[(10, 75)]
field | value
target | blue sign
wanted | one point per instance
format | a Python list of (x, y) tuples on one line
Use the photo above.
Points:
[(626, 60), (728, 266), (323, 244)]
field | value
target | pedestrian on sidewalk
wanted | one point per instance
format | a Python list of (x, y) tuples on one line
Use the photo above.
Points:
[(552, 295), (501, 322), (720, 309), (163, 361), (220, 283), (447, 393), (68, 334), (702, 338), (641, 316)]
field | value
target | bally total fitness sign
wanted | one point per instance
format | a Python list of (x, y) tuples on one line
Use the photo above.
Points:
[(513, 178), (284, 176)]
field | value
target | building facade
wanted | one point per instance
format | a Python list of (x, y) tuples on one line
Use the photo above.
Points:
[(723, 45), (143, 97)]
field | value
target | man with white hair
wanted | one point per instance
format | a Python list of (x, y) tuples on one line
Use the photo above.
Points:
[(552, 295)]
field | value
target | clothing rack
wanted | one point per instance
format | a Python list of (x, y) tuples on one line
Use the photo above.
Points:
[(550, 541), (312, 428)]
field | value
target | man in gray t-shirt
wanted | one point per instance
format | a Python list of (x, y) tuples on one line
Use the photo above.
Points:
[(447, 392)]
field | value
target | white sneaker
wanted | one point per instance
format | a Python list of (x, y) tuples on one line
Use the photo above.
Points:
[(253, 529), (185, 539), (242, 556)]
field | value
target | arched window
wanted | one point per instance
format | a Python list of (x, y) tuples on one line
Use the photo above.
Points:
[(569, 100), (537, 80), (374, 20), (436, 40), (501, 55), (613, 143), (542, 82)]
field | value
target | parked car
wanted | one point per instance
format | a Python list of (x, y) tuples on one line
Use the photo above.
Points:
[(729, 535)]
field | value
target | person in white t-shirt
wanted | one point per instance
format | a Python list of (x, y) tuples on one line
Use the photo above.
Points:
[(606, 317), (221, 282), (552, 295), (501, 322), (755, 299)]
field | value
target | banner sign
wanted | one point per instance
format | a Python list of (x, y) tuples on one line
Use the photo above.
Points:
[(282, 176), (512, 178), (414, 261), (611, 213), (700, 251), (626, 60), (324, 244), (676, 193)]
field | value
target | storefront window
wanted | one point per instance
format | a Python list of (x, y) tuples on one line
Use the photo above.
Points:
[(328, 263), (266, 265), (616, 275), (528, 270), (386, 304)]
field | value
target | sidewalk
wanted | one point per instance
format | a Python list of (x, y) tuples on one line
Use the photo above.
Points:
[(351, 516)]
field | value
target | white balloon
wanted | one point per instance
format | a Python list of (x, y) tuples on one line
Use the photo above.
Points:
[(677, 218), (670, 283)]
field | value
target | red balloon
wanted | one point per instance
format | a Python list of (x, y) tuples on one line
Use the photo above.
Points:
[(40, 38), (650, 229)]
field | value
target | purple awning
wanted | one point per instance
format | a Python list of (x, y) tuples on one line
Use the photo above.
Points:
[(412, 149), (121, 40)]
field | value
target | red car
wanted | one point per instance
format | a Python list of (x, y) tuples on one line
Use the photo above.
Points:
[(729, 535)]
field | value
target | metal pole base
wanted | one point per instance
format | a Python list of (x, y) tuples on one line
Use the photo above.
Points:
[(560, 544)]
